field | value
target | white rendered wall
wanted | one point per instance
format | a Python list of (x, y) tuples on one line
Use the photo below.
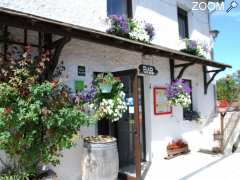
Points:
[(92, 14), (159, 129)]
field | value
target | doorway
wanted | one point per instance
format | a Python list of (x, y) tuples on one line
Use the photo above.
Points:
[(130, 129)]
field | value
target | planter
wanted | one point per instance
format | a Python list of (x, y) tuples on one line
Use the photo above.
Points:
[(100, 159), (47, 175), (217, 137), (105, 88), (172, 152)]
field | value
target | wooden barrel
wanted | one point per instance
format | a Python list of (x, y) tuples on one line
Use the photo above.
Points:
[(100, 161)]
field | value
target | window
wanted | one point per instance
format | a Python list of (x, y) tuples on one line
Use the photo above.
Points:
[(189, 82), (119, 7), (183, 23)]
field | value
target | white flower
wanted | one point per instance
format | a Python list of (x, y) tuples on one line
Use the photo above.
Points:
[(139, 33)]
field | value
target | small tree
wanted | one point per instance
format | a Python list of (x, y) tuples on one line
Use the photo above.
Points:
[(228, 88), (38, 119)]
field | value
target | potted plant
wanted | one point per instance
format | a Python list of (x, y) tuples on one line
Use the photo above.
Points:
[(100, 154), (177, 146), (105, 82)]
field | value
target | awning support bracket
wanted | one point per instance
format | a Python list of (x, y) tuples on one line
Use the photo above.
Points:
[(183, 67), (58, 49), (206, 72)]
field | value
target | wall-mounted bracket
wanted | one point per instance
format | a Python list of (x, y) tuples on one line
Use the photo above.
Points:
[(58, 45), (173, 66), (206, 72)]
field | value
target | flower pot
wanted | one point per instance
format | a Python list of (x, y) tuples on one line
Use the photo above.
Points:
[(47, 175), (100, 159), (105, 88)]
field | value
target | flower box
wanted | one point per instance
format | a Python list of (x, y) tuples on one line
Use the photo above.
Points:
[(172, 152), (176, 148), (217, 137)]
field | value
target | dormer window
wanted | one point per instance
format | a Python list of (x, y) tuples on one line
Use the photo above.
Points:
[(183, 23), (119, 7)]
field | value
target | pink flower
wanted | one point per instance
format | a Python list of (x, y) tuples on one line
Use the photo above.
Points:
[(7, 110)]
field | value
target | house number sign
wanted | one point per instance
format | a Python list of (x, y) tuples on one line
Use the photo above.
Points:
[(147, 69)]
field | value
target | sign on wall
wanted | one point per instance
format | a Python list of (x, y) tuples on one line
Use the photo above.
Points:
[(161, 104), (81, 71), (147, 69), (79, 85)]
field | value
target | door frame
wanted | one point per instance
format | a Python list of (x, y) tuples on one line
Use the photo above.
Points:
[(133, 73)]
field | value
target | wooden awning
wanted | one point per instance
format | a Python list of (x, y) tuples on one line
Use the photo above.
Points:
[(28, 21)]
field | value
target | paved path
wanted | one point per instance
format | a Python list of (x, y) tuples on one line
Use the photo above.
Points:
[(197, 166)]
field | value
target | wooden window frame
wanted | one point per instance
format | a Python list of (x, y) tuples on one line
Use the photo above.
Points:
[(129, 9), (183, 14)]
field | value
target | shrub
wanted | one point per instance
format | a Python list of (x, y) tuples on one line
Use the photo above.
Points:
[(37, 117)]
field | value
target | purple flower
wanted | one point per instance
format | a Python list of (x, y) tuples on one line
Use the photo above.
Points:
[(150, 30), (177, 87), (192, 44), (119, 25), (205, 48), (85, 96)]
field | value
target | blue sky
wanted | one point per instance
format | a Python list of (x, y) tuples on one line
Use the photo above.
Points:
[(227, 44)]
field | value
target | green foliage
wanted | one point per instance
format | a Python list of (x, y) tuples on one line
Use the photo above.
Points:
[(194, 51), (12, 175), (37, 118), (228, 88), (105, 79)]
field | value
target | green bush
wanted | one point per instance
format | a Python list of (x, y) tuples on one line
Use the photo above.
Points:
[(37, 117), (227, 88), (20, 176)]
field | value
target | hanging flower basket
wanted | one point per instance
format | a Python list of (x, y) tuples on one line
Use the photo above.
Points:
[(178, 93), (105, 88), (109, 102)]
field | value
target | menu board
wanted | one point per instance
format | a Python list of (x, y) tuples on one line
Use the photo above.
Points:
[(161, 104)]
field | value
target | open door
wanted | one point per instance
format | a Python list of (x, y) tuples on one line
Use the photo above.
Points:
[(129, 130)]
